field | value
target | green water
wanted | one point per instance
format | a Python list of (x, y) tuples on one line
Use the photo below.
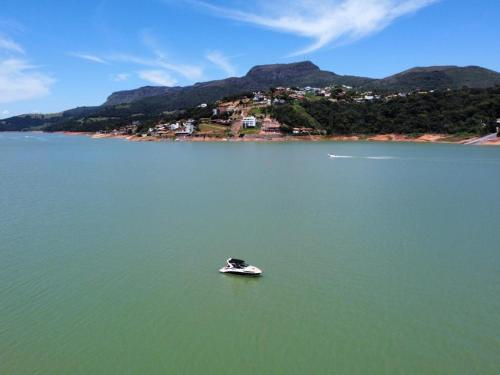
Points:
[(109, 252)]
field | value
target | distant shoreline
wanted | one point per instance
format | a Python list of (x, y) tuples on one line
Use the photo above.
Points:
[(398, 138)]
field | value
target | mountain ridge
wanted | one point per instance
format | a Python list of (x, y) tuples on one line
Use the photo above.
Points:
[(259, 77), (440, 77), (306, 73)]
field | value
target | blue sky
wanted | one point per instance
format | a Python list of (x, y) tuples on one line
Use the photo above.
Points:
[(60, 54)]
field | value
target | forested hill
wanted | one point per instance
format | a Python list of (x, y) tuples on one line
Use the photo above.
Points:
[(465, 111), (438, 77), (470, 111)]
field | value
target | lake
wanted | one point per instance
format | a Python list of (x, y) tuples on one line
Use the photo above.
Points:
[(386, 262)]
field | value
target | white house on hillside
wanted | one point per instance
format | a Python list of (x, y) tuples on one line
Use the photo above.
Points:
[(249, 122), (187, 129), (174, 126)]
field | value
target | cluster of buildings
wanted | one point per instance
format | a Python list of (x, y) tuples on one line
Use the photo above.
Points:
[(282, 95), (176, 128), (336, 93), (259, 97), (225, 108), (366, 97), (300, 93), (303, 131), (124, 130)]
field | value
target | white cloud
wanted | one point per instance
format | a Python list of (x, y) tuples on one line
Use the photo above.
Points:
[(157, 77), (5, 112), (21, 81), (8, 44), (89, 57), (191, 72), (160, 59), (323, 21), (157, 60), (221, 61), (121, 77)]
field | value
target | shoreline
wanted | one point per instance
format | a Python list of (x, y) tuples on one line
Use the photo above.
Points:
[(397, 138), (392, 138)]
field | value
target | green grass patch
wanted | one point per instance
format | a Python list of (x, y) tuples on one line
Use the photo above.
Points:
[(257, 112), (249, 131), (213, 128)]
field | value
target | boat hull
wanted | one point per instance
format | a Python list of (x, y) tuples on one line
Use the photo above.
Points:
[(241, 272)]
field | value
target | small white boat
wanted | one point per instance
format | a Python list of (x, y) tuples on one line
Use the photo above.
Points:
[(240, 267)]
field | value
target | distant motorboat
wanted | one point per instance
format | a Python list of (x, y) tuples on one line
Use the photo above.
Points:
[(339, 156), (240, 267)]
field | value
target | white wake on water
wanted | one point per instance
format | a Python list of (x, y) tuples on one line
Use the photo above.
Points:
[(340, 156), (332, 156)]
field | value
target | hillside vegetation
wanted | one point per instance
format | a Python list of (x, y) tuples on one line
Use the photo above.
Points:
[(471, 111), (466, 111)]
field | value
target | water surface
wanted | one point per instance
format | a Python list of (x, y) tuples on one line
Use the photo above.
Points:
[(384, 262)]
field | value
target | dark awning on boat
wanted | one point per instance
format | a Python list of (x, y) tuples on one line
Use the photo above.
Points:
[(236, 261)]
